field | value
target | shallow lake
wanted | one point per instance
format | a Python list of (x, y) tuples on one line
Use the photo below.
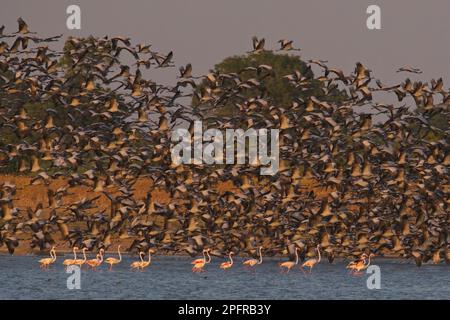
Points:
[(171, 278)]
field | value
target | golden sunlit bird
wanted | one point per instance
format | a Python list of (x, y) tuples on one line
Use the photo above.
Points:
[(228, 264), (258, 45), (200, 260), (46, 262), (362, 265), (198, 267), (113, 261), (136, 264), (253, 262), (286, 45), (289, 264), (23, 27), (352, 264), (95, 263), (69, 262), (145, 264), (80, 262), (312, 262)]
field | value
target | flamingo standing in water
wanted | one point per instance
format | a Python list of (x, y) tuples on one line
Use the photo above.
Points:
[(137, 264), (198, 267), (228, 264), (80, 262), (112, 261), (69, 262), (46, 262), (94, 263), (289, 264), (352, 264), (253, 262), (145, 264), (312, 262), (362, 266), (200, 260)]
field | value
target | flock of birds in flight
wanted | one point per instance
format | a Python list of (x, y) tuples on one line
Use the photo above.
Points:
[(105, 126)]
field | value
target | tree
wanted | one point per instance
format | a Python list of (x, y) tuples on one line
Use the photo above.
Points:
[(271, 70)]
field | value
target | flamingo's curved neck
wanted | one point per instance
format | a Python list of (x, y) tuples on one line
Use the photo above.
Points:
[(296, 256), (368, 263), (120, 256), (101, 256), (84, 255), (231, 259), (260, 256), (53, 254), (318, 251), (149, 257), (74, 254), (209, 257), (140, 256)]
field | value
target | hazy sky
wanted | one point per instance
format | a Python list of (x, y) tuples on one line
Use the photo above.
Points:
[(414, 32)]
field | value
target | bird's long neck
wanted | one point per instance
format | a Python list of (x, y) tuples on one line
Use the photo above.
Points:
[(118, 251), (260, 256), (204, 257), (149, 257), (140, 256), (318, 251), (368, 262), (296, 256), (74, 254), (101, 256), (84, 255), (209, 257), (53, 254), (231, 259)]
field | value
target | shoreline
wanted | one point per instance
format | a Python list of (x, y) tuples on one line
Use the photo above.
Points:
[(337, 259), (127, 254)]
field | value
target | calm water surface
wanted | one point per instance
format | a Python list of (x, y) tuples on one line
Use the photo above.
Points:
[(170, 278)]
